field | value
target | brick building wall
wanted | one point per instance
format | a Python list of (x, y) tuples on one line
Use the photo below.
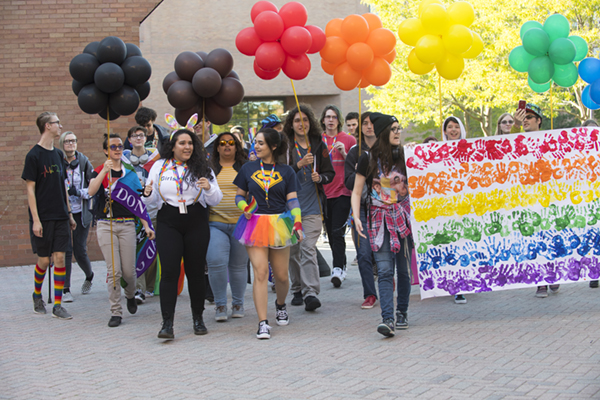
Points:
[(39, 39)]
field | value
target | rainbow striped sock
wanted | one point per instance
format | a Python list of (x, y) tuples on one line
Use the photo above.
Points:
[(39, 275), (59, 284)]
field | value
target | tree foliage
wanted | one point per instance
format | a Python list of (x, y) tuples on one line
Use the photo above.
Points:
[(488, 85)]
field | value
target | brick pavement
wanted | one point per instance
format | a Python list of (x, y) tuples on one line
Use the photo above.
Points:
[(503, 345)]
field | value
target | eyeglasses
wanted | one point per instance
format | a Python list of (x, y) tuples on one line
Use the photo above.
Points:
[(139, 136), (331, 117), (396, 129), (507, 122), (530, 116), (54, 122), (116, 147), (230, 142), (71, 141)]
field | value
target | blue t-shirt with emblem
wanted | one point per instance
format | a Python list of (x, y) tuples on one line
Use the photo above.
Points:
[(250, 179)]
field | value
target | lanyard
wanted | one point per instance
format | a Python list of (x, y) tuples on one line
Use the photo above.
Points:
[(330, 149), (178, 181), (300, 155), (267, 183)]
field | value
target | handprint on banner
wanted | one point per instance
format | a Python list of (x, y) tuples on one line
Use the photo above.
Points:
[(495, 224), (472, 229)]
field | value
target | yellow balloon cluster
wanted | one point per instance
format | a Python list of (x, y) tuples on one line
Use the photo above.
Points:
[(441, 38)]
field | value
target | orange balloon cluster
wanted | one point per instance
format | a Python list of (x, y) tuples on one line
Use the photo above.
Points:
[(441, 38), (358, 51)]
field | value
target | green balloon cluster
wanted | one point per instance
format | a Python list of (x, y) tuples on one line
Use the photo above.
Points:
[(548, 53)]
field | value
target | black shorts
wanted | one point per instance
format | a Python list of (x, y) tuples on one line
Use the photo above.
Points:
[(55, 238)]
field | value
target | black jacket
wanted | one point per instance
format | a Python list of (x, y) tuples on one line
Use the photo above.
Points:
[(350, 167)]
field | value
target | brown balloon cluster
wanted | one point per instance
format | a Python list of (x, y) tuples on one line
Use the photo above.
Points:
[(204, 84)]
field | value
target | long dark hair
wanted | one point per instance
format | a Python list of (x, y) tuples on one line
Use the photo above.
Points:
[(314, 131), (382, 153), (337, 112), (197, 164), (275, 139), (240, 154)]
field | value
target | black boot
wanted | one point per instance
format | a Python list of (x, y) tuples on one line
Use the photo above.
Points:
[(166, 331), (199, 327)]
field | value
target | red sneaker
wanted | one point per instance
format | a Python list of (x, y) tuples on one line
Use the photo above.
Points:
[(369, 302)]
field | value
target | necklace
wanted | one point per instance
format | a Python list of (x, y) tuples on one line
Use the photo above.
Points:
[(267, 182)]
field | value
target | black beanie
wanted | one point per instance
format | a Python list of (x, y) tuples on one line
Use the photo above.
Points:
[(381, 121)]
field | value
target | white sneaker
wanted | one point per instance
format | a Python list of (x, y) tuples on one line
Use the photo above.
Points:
[(344, 274), (67, 297), (337, 277)]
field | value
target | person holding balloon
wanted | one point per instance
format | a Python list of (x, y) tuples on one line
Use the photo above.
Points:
[(313, 168), (383, 170), (338, 196), (271, 223)]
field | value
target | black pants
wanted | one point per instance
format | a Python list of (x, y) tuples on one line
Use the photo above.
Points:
[(182, 235), (338, 210)]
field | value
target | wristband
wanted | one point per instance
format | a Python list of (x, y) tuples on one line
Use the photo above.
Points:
[(240, 201)]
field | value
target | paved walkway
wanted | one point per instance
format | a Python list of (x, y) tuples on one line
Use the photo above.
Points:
[(503, 345)]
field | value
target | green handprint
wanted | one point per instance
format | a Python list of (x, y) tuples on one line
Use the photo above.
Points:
[(495, 225), (472, 229)]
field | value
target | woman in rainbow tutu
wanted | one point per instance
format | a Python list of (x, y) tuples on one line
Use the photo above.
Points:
[(270, 224)]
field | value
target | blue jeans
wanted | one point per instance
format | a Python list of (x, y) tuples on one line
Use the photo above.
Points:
[(385, 260), (225, 254), (364, 255), (79, 247)]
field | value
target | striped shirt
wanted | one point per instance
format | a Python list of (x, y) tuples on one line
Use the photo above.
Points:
[(226, 211)]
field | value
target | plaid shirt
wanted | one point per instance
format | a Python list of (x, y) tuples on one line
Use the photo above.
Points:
[(396, 218)]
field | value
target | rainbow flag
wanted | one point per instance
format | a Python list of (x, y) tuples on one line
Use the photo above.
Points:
[(506, 212)]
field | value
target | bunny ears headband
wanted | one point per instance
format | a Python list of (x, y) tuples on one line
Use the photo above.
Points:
[(172, 122)]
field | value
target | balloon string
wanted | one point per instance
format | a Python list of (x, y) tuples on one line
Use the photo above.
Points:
[(203, 122), (441, 117), (359, 142), (112, 249), (551, 109), (307, 144)]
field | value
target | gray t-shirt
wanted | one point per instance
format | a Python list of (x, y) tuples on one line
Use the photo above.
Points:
[(307, 195)]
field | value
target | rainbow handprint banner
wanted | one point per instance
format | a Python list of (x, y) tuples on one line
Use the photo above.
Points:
[(506, 212)]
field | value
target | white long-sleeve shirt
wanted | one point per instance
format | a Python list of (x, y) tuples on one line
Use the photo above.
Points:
[(166, 189)]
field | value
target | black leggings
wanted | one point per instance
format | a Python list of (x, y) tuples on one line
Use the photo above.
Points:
[(182, 235)]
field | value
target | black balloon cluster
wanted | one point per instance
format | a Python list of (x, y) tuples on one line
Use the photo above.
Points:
[(204, 84), (110, 76)]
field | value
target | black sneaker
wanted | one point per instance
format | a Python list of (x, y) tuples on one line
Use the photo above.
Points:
[(140, 297), (132, 305), (264, 330), (386, 327), (282, 318), (594, 284), (297, 300), (39, 307), (401, 320), (312, 303), (114, 321)]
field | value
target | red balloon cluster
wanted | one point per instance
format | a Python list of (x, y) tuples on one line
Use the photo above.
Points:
[(205, 84), (358, 51), (280, 40)]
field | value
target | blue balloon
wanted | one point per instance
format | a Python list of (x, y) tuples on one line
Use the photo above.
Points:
[(589, 69), (595, 92), (587, 100)]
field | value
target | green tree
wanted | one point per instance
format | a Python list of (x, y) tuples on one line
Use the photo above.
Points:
[(488, 85)]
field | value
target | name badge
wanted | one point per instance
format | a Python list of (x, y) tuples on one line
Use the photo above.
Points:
[(182, 207)]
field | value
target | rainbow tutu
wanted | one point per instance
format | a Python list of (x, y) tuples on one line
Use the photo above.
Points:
[(266, 230)]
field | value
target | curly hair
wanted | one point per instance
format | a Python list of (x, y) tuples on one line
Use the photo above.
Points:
[(240, 154), (145, 115), (314, 130), (197, 164)]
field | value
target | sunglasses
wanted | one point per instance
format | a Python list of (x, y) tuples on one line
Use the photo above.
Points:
[(507, 122), (116, 147), (230, 142), (529, 116)]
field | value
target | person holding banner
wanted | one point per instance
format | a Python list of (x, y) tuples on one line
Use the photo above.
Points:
[(182, 187), (383, 170), (313, 169), (270, 224), (227, 258), (138, 156), (116, 227), (454, 129)]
